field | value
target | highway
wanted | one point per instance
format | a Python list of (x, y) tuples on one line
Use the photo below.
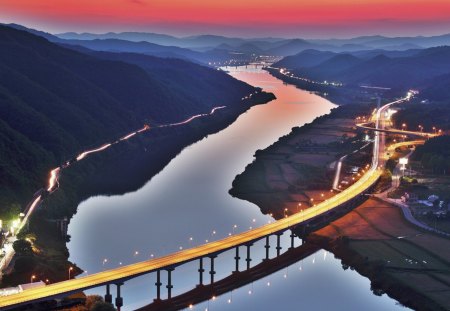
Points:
[(396, 131), (337, 174), (124, 273)]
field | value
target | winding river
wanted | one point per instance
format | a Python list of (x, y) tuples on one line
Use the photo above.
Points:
[(188, 203)]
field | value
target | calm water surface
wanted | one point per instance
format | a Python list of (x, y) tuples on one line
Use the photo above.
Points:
[(188, 203)]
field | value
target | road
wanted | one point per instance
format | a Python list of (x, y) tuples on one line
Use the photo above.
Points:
[(337, 175), (396, 183), (53, 181), (124, 273)]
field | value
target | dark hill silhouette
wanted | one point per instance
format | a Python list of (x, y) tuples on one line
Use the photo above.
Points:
[(54, 100), (307, 58)]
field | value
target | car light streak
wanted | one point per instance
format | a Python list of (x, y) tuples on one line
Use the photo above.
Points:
[(84, 154), (53, 181)]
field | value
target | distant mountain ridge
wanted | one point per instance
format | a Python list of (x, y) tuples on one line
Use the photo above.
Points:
[(406, 69), (277, 46)]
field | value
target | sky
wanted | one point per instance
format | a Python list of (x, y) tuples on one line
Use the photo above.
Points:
[(245, 18)]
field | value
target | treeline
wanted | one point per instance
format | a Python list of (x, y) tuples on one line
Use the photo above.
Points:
[(435, 155), (436, 114)]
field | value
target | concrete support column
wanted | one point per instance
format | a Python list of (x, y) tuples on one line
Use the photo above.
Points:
[(236, 258), (292, 239), (108, 296), (119, 299), (267, 247), (248, 259), (200, 271), (169, 282), (158, 285), (278, 244), (212, 272)]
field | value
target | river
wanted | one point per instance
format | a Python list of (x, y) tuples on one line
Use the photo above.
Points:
[(188, 203)]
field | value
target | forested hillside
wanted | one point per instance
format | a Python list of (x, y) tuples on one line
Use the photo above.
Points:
[(55, 102)]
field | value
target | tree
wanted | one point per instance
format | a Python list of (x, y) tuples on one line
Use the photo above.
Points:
[(91, 300), (22, 247), (102, 306)]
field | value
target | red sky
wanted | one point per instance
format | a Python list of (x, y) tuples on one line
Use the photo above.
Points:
[(314, 18)]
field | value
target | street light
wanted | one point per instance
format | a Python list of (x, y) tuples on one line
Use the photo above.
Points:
[(403, 126), (70, 270), (32, 278)]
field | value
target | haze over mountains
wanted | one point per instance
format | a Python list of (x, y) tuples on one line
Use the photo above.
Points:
[(276, 46), (212, 48)]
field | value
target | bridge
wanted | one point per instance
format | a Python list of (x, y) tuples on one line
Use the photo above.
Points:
[(209, 251), (396, 131)]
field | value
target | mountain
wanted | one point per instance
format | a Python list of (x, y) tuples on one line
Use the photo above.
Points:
[(307, 58), (388, 43), (421, 41), (333, 66), (437, 89), (250, 48), (39, 33), (407, 69), (127, 36), (117, 45), (367, 54), (54, 101), (274, 46), (291, 47)]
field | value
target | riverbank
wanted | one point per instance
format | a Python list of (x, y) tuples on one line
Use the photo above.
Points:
[(294, 173), (297, 171), (338, 94), (122, 168), (409, 264)]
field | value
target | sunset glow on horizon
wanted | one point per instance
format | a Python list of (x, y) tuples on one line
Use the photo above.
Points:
[(234, 17)]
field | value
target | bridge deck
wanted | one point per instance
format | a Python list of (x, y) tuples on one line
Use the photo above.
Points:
[(127, 272)]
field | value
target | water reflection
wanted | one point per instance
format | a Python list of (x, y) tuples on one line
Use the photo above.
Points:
[(188, 203)]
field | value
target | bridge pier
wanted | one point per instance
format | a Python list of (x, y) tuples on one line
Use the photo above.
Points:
[(267, 247), (200, 271), (292, 239), (158, 285), (278, 243), (108, 296), (212, 272), (169, 285), (248, 259), (236, 258), (119, 299)]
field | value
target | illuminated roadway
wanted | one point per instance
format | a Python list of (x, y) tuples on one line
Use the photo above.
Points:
[(53, 181), (124, 273)]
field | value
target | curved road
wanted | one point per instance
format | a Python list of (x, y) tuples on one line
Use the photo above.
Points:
[(122, 274)]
